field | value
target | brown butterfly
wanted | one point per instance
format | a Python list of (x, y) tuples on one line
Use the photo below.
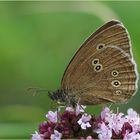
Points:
[(102, 70)]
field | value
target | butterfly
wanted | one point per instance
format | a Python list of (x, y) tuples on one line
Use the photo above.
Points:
[(102, 70)]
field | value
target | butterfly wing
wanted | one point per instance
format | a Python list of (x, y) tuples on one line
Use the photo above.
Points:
[(111, 44)]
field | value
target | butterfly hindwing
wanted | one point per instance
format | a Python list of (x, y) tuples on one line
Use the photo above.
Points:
[(89, 76)]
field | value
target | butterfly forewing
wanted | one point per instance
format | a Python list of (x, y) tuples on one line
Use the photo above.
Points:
[(102, 70)]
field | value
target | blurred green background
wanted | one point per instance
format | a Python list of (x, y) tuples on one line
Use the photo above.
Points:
[(37, 41)]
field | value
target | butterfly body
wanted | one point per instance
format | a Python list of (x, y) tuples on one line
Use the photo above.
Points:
[(103, 69)]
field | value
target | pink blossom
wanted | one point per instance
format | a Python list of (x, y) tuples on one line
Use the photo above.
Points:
[(105, 133), (116, 122), (52, 116), (70, 109), (133, 119), (79, 109), (73, 124), (36, 136), (56, 135), (89, 138), (106, 114), (127, 128), (132, 136), (84, 121)]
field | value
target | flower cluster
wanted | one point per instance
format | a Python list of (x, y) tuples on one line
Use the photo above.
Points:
[(76, 124)]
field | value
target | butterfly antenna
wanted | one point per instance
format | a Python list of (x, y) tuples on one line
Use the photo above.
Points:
[(35, 90)]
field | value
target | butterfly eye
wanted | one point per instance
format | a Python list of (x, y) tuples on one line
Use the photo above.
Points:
[(118, 92), (98, 67), (115, 83), (114, 73), (95, 61), (100, 46)]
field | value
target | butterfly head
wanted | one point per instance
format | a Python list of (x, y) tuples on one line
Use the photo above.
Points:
[(58, 96), (61, 98)]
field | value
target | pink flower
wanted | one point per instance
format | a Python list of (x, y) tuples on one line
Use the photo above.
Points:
[(89, 138), (132, 113), (74, 124), (106, 114), (70, 109), (36, 136), (116, 122), (113, 121), (46, 129), (84, 121), (56, 135), (79, 109), (132, 136), (127, 128), (52, 116), (133, 119), (104, 132)]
